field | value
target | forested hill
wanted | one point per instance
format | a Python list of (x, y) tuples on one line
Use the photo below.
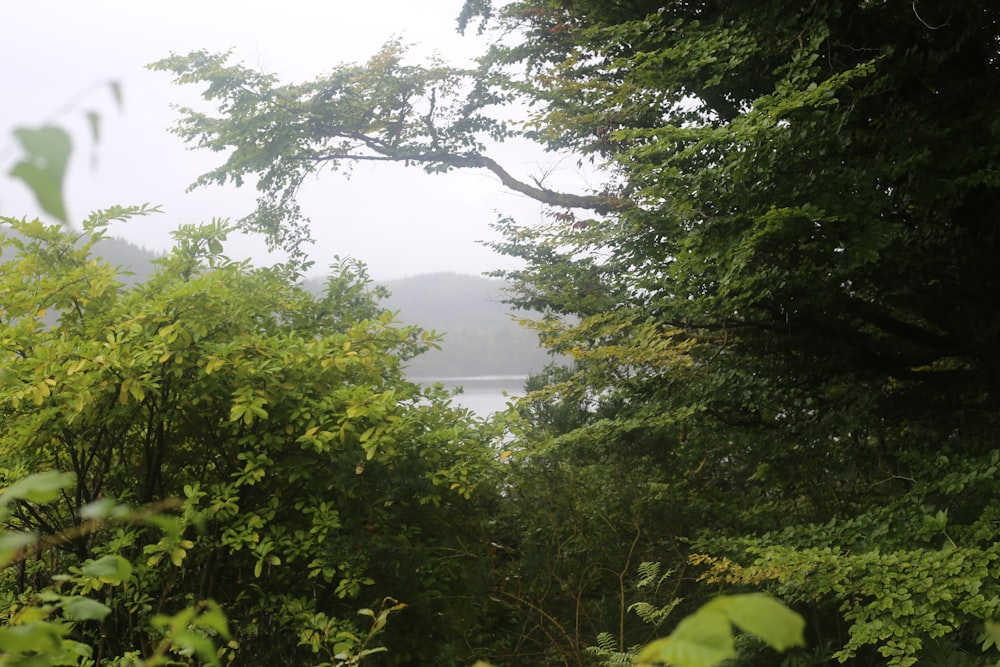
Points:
[(135, 262), (482, 337)]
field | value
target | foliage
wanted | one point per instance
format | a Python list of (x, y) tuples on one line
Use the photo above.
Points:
[(386, 109), (908, 579), (46, 153), (790, 318), (39, 627), (704, 639), (313, 478), (782, 318), (566, 542), (609, 649)]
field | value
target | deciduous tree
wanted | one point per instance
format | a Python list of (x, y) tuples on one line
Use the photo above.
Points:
[(314, 480), (785, 309)]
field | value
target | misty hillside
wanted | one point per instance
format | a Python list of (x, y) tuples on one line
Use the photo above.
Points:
[(135, 262), (131, 258), (481, 336), (450, 301)]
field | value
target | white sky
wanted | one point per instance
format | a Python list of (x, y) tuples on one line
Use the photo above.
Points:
[(400, 221)]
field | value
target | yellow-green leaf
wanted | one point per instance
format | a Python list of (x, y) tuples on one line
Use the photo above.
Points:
[(703, 639), (39, 488), (85, 609), (109, 569), (764, 617)]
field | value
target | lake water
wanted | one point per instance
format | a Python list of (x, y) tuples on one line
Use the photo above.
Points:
[(483, 394)]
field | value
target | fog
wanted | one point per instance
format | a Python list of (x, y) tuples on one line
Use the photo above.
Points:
[(398, 220)]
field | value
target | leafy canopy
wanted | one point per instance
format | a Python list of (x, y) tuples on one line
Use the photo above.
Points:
[(306, 466), (782, 315)]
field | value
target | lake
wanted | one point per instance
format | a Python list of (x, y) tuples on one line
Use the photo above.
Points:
[(483, 394)]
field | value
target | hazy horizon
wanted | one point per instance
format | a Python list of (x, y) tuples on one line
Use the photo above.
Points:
[(399, 221)]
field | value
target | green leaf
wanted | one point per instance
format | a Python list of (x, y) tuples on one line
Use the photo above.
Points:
[(43, 168), (85, 609), (200, 645), (41, 487), (116, 92), (993, 631), (213, 617), (103, 508), (177, 556), (703, 639), (38, 637), (12, 543), (764, 617), (109, 569), (94, 121), (177, 622)]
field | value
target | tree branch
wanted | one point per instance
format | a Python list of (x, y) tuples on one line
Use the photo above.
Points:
[(597, 203)]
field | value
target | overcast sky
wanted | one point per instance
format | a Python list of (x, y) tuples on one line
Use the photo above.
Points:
[(58, 55)]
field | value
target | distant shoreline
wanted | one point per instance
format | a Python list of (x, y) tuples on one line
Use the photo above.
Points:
[(483, 394), (469, 378)]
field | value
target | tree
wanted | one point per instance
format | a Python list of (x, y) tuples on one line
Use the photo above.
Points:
[(778, 219), (433, 116), (43, 627), (313, 479), (785, 310), (798, 310)]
